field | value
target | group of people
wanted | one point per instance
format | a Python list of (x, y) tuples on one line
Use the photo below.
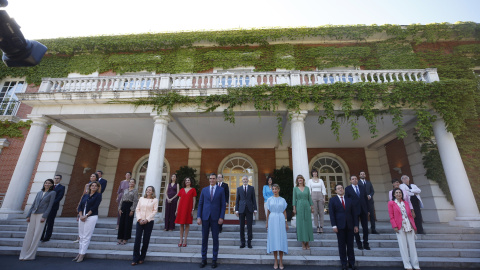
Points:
[(352, 205)]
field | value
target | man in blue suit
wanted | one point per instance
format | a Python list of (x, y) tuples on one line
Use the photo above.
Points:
[(358, 195), (211, 212), (59, 191), (102, 181), (345, 224)]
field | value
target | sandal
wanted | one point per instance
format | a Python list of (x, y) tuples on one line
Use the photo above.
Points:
[(318, 230)]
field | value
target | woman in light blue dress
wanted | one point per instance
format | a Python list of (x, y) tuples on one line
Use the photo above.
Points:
[(267, 192), (277, 226)]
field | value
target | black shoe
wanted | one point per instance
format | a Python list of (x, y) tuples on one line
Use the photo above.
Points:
[(344, 267), (354, 267), (375, 232), (214, 264), (360, 246), (45, 240), (250, 245), (202, 265), (367, 247), (242, 245)]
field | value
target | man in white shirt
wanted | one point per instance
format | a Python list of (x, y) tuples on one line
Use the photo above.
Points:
[(414, 193)]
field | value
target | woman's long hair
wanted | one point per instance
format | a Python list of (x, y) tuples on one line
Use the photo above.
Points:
[(51, 187)]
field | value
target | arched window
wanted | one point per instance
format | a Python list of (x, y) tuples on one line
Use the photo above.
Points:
[(141, 174), (331, 172), (233, 170)]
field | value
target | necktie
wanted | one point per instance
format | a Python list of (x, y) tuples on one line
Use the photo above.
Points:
[(245, 190), (358, 192), (343, 203), (219, 184), (211, 194)]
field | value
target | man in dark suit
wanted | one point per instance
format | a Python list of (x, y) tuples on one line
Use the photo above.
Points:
[(103, 182), (357, 194), (245, 206), (211, 212), (60, 191), (370, 204), (220, 183), (345, 224)]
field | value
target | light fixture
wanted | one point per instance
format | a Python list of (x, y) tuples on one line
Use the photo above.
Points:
[(398, 170), (86, 169)]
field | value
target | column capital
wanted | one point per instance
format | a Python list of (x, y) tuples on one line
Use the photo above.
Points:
[(161, 119), (39, 120), (298, 116)]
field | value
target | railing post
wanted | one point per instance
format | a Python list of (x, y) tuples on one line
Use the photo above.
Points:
[(295, 78), (431, 75), (165, 82), (46, 85)]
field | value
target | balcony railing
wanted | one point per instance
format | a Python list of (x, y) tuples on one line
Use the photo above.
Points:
[(226, 80), (9, 107)]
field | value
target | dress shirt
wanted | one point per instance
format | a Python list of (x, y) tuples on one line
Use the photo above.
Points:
[(146, 209)]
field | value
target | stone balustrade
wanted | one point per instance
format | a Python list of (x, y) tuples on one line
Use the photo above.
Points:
[(228, 79)]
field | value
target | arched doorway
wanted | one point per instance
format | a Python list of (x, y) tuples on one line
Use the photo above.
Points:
[(140, 173), (332, 172), (233, 168)]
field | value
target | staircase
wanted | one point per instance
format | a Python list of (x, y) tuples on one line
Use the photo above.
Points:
[(442, 246)]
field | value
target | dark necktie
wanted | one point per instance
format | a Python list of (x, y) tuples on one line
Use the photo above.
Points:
[(245, 190), (211, 194), (343, 203), (358, 192)]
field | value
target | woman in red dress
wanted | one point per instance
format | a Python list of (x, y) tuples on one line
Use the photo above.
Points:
[(185, 207)]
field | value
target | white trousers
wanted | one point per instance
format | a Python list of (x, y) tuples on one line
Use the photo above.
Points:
[(85, 231), (32, 237), (406, 243)]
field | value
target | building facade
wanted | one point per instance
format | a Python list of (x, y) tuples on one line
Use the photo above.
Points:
[(93, 124)]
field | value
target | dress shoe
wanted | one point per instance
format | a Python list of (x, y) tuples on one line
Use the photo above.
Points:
[(203, 264), (366, 246), (354, 267), (360, 246), (344, 267), (134, 263), (250, 245), (140, 262), (45, 240), (214, 264), (242, 245), (375, 231)]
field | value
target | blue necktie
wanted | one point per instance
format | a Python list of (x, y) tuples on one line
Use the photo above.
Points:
[(358, 192), (211, 194)]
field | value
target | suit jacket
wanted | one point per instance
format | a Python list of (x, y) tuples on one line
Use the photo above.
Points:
[(42, 204), (103, 184), (227, 192), (245, 200), (60, 191), (368, 189), (90, 204), (360, 203), (214, 208), (396, 215), (340, 217)]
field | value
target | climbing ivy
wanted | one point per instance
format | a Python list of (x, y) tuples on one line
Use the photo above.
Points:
[(391, 97), (13, 129)]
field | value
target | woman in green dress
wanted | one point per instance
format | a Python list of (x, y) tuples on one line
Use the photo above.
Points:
[(303, 209)]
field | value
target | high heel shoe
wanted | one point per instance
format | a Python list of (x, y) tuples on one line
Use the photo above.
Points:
[(184, 245), (80, 259), (180, 244), (76, 258)]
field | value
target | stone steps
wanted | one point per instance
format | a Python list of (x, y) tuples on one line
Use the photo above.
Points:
[(443, 246)]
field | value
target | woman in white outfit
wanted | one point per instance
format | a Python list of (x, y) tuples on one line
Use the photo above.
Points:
[(88, 212), (318, 192)]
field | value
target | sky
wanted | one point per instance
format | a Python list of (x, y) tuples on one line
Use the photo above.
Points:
[(44, 19)]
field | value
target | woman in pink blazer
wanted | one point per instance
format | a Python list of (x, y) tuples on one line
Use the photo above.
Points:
[(404, 225)]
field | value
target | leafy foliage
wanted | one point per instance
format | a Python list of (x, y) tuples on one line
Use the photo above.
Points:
[(13, 129)]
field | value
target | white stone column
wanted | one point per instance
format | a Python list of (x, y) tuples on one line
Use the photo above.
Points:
[(12, 204), (299, 145), (157, 153), (458, 183)]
